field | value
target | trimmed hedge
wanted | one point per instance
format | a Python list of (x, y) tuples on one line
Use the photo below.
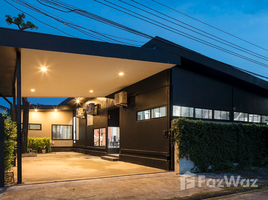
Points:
[(39, 144), (221, 145)]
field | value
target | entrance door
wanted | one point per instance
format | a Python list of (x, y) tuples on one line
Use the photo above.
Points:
[(113, 137)]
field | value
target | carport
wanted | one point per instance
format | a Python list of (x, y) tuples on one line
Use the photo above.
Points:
[(75, 68)]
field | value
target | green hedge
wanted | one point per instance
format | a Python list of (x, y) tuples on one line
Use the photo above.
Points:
[(221, 145), (10, 136), (39, 144)]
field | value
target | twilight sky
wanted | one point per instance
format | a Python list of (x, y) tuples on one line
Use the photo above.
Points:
[(247, 19)]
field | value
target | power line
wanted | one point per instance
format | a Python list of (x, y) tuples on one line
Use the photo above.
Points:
[(230, 44), (210, 25), (176, 31), (74, 26), (39, 20)]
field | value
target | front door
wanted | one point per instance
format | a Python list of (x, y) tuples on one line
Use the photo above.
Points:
[(113, 137)]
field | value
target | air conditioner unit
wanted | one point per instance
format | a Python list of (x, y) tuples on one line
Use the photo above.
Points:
[(80, 113), (121, 98), (92, 109)]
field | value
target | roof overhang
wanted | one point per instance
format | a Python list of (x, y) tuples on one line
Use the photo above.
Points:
[(76, 66)]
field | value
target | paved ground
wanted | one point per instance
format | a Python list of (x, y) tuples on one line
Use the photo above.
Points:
[(73, 166), (256, 195), (151, 186)]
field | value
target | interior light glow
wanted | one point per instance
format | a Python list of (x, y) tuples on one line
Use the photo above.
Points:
[(35, 110), (77, 101), (43, 69), (32, 90), (121, 74), (56, 110), (90, 91)]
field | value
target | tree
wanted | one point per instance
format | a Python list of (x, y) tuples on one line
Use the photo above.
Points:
[(19, 21)]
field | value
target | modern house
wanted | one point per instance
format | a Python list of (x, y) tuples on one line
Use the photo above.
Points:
[(122, 99)]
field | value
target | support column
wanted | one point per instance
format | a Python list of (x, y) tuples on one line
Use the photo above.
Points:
[(19, 172), (2, 156)]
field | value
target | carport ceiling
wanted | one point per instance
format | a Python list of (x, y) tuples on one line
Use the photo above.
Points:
[(74, 75)]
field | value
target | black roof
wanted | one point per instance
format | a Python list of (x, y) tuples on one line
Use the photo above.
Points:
[(156, 50)]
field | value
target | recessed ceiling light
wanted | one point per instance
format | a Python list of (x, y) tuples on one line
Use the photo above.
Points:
[(35, 110), (77, 101), (43, 69), (32, 90), (56, 110), (121, 74), (90, 91)]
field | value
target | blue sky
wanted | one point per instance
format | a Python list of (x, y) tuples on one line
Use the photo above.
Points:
[(247, 19)]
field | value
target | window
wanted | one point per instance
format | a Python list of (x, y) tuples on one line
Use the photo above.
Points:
[(143, 115), (89, 120), (241, 117), (254, 118), (181, 111), (159, 112), (36, 127), (203, 113), (222, 115), (264, 119), (62, 132), (100, 137), (113, 137)]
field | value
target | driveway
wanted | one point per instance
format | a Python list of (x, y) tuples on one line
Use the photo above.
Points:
[(73, 166)]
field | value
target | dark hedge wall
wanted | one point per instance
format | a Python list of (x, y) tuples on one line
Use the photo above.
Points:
[(221, 145)]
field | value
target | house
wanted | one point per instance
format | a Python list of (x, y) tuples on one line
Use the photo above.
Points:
[(122, 99), (3, 109)]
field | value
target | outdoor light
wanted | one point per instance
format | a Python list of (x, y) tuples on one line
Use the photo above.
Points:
[(121, 74), (32, 90), (90, 91), (43, 69), (35, 110), (56, 110), (77, 101)]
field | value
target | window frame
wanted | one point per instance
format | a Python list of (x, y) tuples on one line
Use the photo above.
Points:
[(61, 125), (212, 114), (143, 119), (184, 107), (32, 129), (236, 121), (227, 120), (106, 131), (150, 109), (253, 118)]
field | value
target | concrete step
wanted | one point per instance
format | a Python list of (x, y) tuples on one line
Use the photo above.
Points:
[(110, 158), (114, 155)]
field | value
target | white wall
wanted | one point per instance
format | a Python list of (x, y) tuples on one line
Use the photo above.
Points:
[(46, 119)]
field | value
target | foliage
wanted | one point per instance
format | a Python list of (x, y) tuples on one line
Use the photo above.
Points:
[(39, 144), (10, 130), (221, 145), (19, 21)]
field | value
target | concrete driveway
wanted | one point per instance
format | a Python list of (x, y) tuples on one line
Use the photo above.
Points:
[(73, 166)]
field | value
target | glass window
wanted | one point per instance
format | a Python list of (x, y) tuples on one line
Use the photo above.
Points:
[(254, 118), (62, 132), (89, 120), (37, 127), (159, 112), (143, 115), (222, 115), (96, 137), (241, 117), (103, 137), (264, 119), (113, 137), (203, 113), (181, 111)]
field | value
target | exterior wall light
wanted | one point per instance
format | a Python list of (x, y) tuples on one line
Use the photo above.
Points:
[(43, 69), (35, 110)]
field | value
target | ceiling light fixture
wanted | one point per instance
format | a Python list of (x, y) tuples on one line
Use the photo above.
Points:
[(32, 90), (77, 101), (43, 69), (121, 74), (90, 91), (56, 110), (35, 110)]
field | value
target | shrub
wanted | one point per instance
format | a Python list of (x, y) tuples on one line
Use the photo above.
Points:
[(10, 131), (220, 145), (39, 144)]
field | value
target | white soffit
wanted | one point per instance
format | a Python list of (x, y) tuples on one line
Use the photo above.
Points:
[(74, 75)]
